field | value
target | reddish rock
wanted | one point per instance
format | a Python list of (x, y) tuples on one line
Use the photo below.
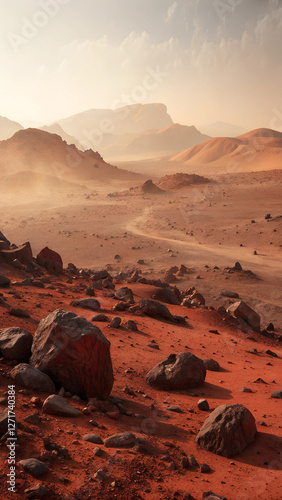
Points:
[(22, 254), (74, 353), (51, 260)]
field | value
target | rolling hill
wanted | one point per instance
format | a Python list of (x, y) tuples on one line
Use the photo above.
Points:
[(41, 152), (260, 148)]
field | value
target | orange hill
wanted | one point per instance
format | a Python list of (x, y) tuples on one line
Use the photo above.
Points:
[(39, 151), (256, 148)]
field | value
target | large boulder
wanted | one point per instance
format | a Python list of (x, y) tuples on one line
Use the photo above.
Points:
[(241, 310), (15, 343), (91, 304), (31, 378), (154, 308), (166, 295), (124, 294), (74, 353), (52, 261), (4, 280), (178, 372), (22, 253), (227, 430)]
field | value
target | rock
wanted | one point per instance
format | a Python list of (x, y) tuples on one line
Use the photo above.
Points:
[(267, 216), (192, 460), (51, 260), (277, 395), (154, 308), (237, 267), (74, 353), (205, 468), (56, 405), (124, 440), (199, 297), (4, 239), (19, 313), (246, 389), (124, 294), (153, 345), (211, 365), (241, 310), (33, 419), (35, 492), (4, 281), (4, 421), (34, 466), (100, 317), (92, 304), (15, 343), (131, 325), (98, 451), (185, 463), (101, 475), (269, 352), (174, 408), (178, 372), (100, 275), (22, 253), (116, 322), (270, 327), (209, 495), (232, 295), (203, 405), (93, 438), (166, 295), (32, 378), (228, 430)]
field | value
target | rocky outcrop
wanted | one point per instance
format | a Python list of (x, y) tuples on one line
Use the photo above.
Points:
[(74, 353), (22, 253)]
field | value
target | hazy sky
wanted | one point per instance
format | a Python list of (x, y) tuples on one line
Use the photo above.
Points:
[(207, 60)]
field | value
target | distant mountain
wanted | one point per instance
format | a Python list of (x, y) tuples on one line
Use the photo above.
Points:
[(258, 148), (221, 129), (168, 140), (8, 128), (57, 129), (92, 127), (41, 152)]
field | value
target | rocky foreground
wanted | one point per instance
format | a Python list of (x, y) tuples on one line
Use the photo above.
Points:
[(130, 388)]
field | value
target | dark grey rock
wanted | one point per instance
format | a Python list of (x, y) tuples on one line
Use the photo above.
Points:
[(32, 378), (178, 372), (34, 466), (15, 343)]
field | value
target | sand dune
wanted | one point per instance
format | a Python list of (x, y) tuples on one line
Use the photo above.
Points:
[(257, 149)]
